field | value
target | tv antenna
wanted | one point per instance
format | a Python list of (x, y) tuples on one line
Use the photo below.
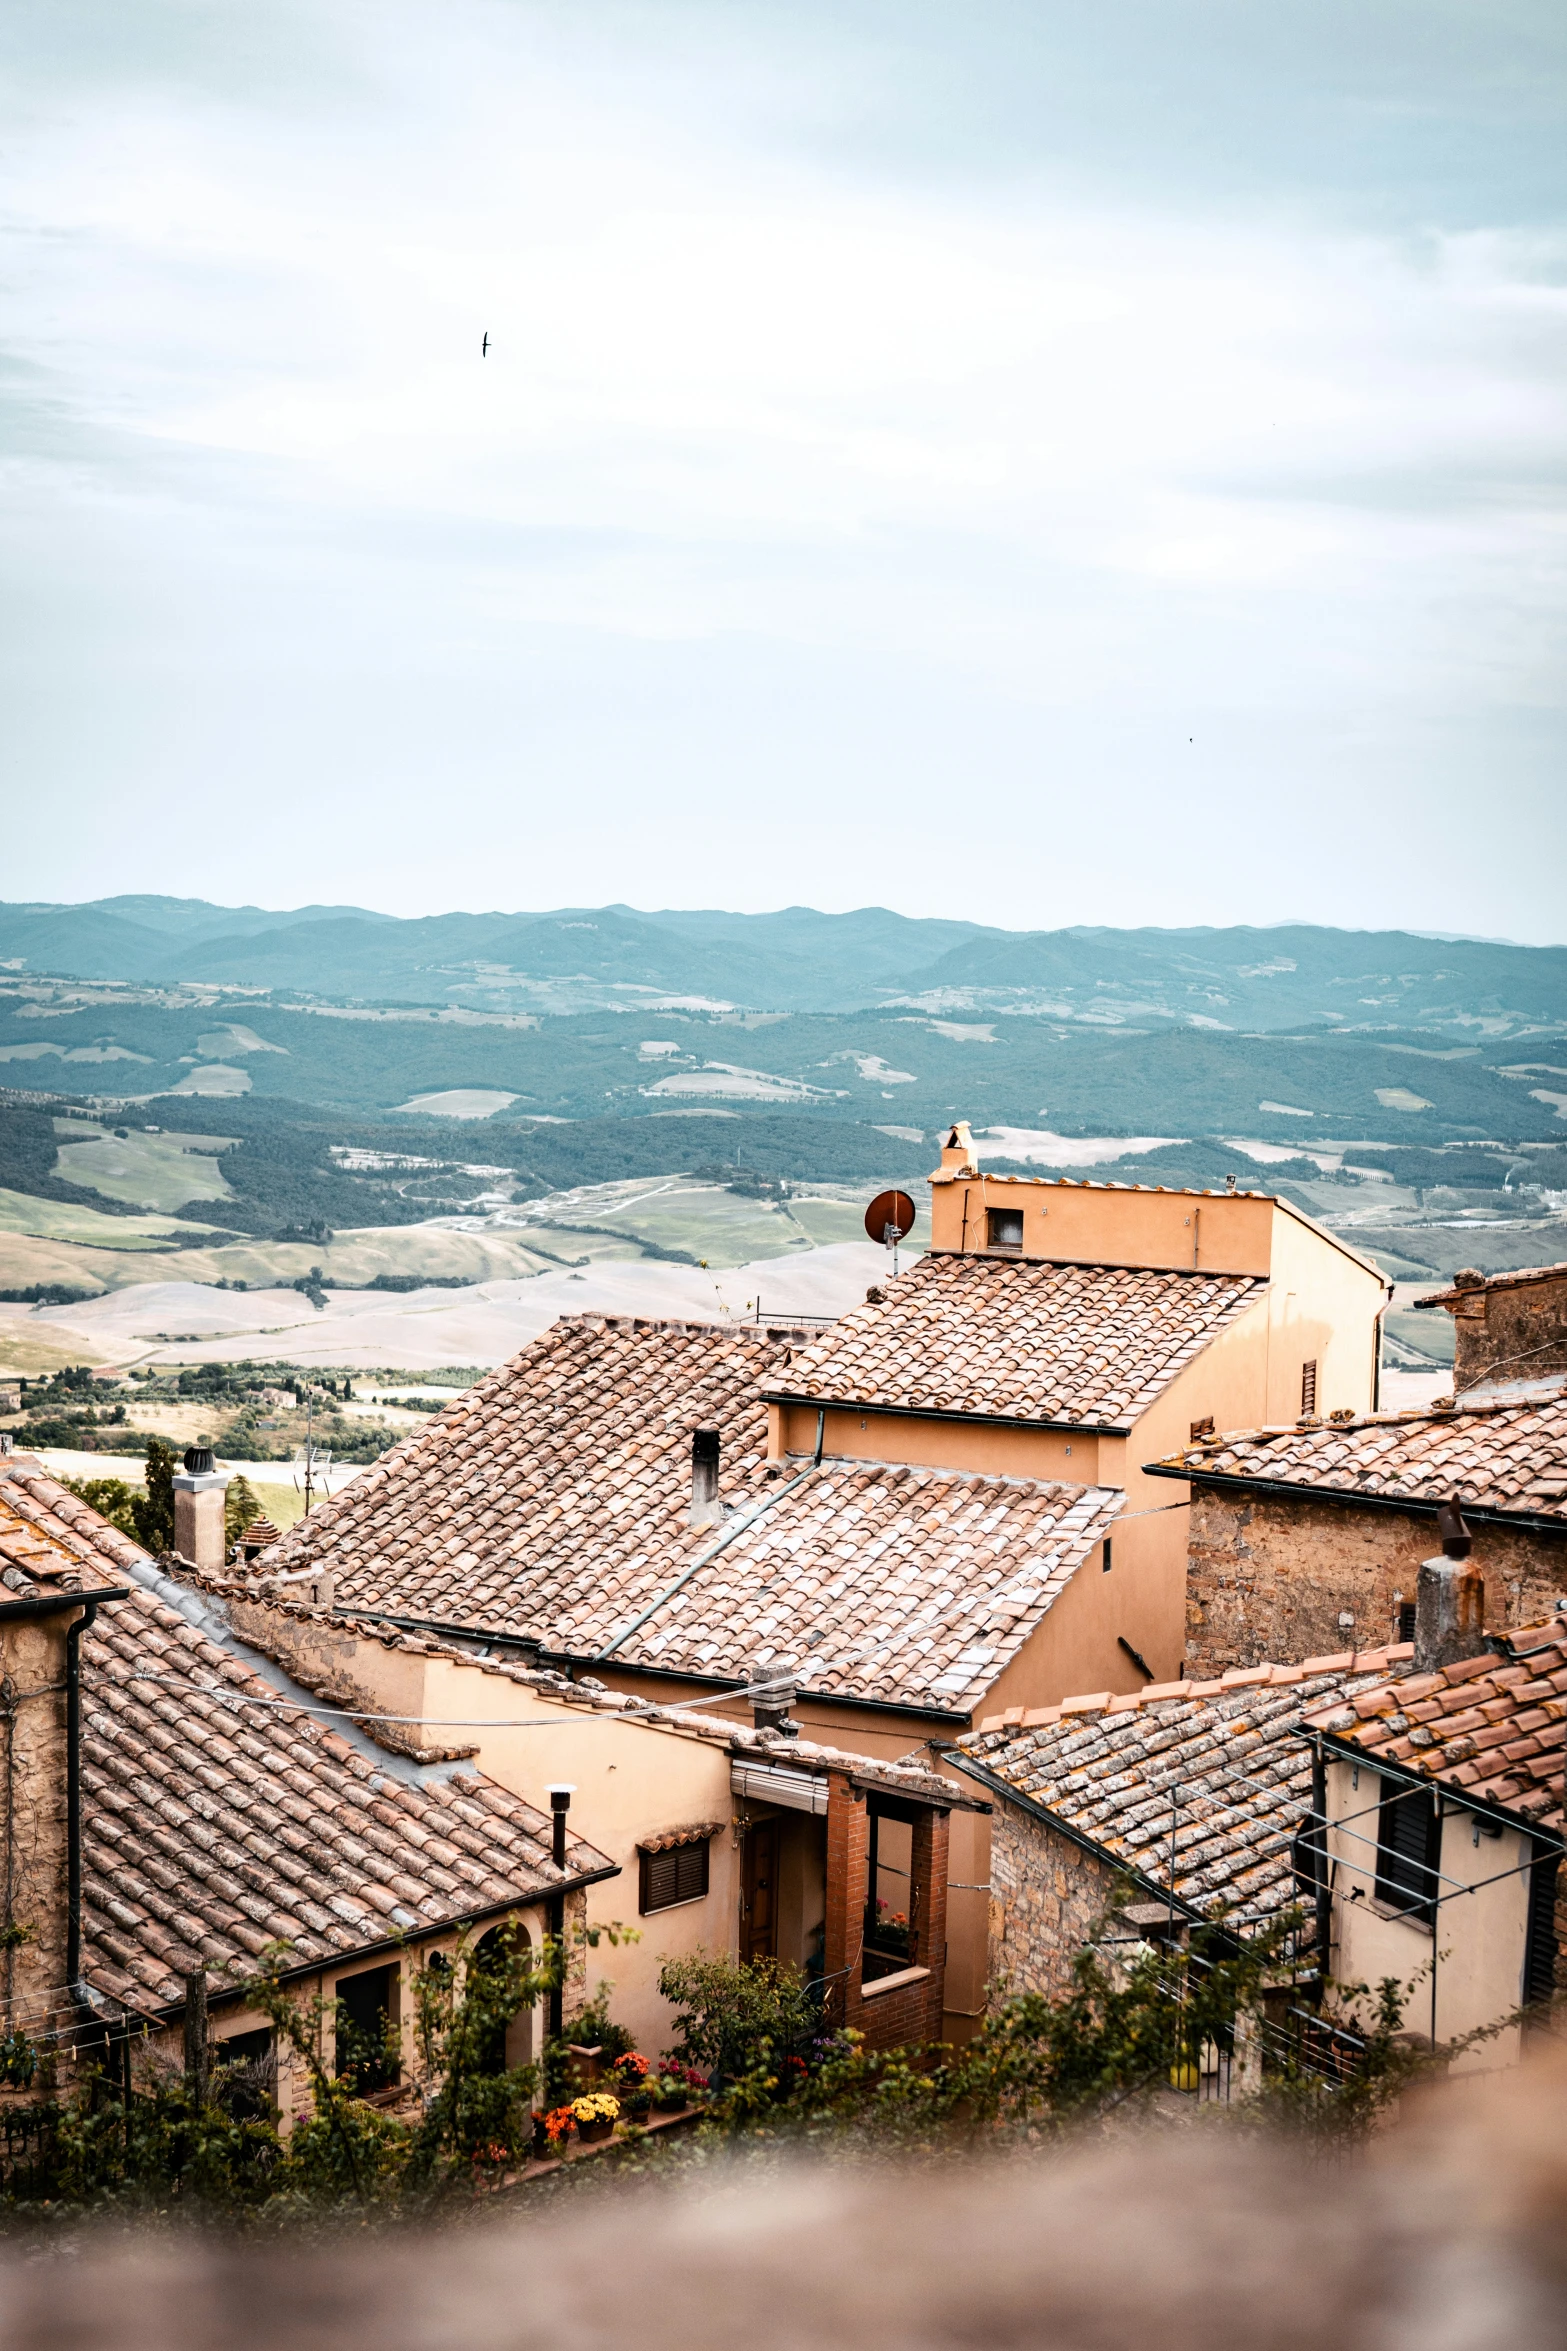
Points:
[(890, 1219), (313, 1462)]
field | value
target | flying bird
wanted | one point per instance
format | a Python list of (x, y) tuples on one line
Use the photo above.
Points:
[(484, 347)]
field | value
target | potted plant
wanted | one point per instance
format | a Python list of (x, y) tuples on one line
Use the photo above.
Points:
[(595, 2116), (676, 2085), (551, 2131), (632, 2086)]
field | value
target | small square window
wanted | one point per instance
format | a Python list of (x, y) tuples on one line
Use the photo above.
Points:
[(679, 1874), (1003, 1228)]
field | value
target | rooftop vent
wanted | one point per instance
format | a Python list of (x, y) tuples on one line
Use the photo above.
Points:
[(706, 1508), (198, 1461)]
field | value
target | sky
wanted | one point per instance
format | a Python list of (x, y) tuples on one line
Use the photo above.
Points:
[(1039, 461)]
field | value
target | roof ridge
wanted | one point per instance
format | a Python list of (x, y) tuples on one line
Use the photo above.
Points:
[(1348, 1662)]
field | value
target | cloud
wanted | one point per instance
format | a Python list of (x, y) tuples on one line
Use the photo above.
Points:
[(880, 414)]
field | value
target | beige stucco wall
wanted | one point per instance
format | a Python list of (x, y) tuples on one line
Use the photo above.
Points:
[(1091, 1225), (1475, 1960)]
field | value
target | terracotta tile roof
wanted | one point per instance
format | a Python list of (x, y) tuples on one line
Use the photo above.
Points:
[(563, 1477), (1494, 1727), (38, 1553), (915, 1586), (554, 1507), (1504, 1456), (1064, 1345), (1227, 1754), (211, 1829)]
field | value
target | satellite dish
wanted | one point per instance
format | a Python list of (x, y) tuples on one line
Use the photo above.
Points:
[(890, 1218)]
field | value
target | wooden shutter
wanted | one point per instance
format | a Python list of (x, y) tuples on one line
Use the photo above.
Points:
[(679, 1874), (1308, 1388), (1540, 1950), (1407, 1843)]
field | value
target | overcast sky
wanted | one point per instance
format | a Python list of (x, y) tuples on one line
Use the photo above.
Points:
[(1043, 461)]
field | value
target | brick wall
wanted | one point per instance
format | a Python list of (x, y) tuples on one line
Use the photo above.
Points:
[(907, 2012), (1047, 1897), (1268, 1578)]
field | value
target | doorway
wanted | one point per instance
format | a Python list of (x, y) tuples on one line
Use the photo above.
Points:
[(759, 1899)]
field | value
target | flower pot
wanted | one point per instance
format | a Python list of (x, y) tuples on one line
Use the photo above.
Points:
[(603, 2127)]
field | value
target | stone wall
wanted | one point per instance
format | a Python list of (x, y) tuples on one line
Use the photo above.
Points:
[(1047, 1897), (1509, 1332), (33, 1836), (1268, 1578)]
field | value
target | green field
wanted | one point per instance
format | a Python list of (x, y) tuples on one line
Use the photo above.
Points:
[(144, 1169)]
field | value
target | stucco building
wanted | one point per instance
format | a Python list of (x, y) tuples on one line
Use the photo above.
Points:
[(1442, 1798)]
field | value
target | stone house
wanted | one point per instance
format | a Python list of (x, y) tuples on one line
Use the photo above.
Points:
[(1306, 1535), (1442, 1797), (193, 1810), (1120, 1817)]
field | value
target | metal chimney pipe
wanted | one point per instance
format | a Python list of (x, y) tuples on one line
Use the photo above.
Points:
[(706, 1509), (560, 1794)]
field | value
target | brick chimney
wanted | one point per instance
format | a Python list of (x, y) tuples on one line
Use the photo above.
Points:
[(198, 1510), (1449, 1599), (1506, 1326), (706, 1509)]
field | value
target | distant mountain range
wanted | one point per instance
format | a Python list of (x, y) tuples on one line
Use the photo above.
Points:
[(574, 960)]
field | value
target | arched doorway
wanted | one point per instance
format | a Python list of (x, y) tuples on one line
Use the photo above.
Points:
[(510, 2044)]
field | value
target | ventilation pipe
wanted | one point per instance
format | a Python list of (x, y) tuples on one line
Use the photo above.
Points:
[(706, 1509)]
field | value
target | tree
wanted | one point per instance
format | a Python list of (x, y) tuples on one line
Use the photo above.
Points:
[(152, 1513), (240, 1510)]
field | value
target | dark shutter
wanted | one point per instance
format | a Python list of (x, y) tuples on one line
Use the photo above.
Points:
[(678, 1875), (1407, 1845), (1540, 1951), (1406, 1620)]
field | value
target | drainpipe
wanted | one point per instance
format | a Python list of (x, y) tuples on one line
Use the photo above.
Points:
[(560, 1795), (73, 1800), (1319, 1875)]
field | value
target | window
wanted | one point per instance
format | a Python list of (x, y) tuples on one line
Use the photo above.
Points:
[(1408, 1834), (1308, 1389), (1105, 1556), (1003, 1228), (679, 1874), (364, 2025), (1406, 1620), (245, 2079), (1202, 1428)]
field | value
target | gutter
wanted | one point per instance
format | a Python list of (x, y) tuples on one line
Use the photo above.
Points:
[(989, 1420), (1085, 1844), (537, 1654), (1287, 1490)]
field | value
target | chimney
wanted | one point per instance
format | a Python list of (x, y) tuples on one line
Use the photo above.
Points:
[(1449, 1599), (706, 1509), (198, 1511), (770, 1707), (958, 1154)]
